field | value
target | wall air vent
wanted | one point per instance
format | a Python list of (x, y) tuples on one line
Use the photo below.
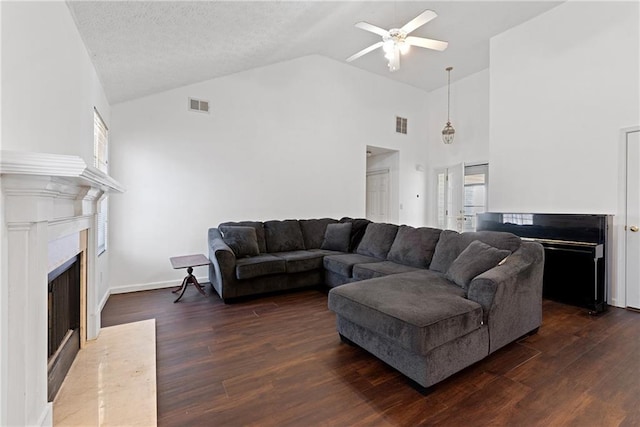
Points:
[(198, 105), (401, 125)]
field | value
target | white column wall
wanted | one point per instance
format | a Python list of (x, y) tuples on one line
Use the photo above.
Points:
[(563, 86), (49, 90), (282, 141)]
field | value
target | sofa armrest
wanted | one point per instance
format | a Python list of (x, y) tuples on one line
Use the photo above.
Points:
[(223, 263), (511, 295)]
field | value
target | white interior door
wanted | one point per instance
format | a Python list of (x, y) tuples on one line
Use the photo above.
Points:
[(632, 227), (450, 197), (455, 198), (378, 196)]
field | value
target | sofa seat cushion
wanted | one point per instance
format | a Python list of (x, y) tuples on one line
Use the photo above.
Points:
[(379, 269), (297, 261), (343, 264), (326, 252), (261, 265), (418, 315)]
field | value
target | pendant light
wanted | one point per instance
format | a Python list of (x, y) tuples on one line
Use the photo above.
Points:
[(448, 132)]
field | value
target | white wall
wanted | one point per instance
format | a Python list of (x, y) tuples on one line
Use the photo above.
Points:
[(563, 85), (283, 141), (49, 85), (49, 89), (469, 117)]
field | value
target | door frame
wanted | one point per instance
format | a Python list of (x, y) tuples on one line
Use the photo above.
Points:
[(618, 292)]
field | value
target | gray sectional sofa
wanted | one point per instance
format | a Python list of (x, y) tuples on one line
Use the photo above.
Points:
[(428, 302)]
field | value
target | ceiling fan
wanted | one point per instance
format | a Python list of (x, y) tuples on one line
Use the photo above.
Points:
[(396, 41)]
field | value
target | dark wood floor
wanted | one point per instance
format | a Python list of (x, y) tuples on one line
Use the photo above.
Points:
[(277, 361)]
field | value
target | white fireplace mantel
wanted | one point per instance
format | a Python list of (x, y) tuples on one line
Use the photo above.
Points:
[(44, 197)]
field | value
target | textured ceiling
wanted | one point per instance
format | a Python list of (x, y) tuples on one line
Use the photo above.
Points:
[(140, 48)]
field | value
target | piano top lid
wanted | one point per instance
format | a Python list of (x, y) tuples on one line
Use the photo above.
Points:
[(582, 228)]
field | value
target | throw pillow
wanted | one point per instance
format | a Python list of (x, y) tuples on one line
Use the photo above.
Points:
[(243, 241), (337, 237), (477, 258)]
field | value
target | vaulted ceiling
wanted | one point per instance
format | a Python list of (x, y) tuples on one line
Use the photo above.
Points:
[(140, 48)]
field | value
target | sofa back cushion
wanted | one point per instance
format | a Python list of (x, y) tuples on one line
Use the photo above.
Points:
[(358, 228), (337, 237), (242, 240), (377, 240), (451, 244), (283, 236), (414, 246), (313, 231), (259, 227)]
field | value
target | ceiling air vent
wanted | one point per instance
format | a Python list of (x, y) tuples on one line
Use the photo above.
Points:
[(198, 105), (401, 125)]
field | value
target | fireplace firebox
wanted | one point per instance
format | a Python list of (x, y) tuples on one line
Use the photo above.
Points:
[(64, 322)]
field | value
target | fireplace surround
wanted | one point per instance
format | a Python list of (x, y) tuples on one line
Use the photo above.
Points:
[(44, 197)]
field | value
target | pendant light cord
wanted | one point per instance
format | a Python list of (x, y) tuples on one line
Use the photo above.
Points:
[(448, 92)]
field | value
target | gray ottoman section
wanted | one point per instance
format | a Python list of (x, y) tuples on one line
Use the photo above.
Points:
[(379, 269), (428, 369), (417, 317)]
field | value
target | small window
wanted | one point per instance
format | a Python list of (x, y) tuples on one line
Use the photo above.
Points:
[(101, 162), (100, 143)]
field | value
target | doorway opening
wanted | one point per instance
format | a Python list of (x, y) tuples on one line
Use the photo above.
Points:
[(382, 191), (461, 193)]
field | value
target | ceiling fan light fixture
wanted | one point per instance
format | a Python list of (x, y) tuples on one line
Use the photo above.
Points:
[(404, 47), (388, 46), (397, 41)]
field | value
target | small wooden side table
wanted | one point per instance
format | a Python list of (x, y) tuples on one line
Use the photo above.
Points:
[(188, 262)]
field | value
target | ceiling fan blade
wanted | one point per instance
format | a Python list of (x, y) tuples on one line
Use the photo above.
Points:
[(419, 21), (427, 43), (372, 28), (365, 51)]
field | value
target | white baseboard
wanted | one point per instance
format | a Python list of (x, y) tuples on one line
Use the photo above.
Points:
[(46, 418), (150, 286), (103, 301)]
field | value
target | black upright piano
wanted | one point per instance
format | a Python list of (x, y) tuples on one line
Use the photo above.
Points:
[(575, 246)]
